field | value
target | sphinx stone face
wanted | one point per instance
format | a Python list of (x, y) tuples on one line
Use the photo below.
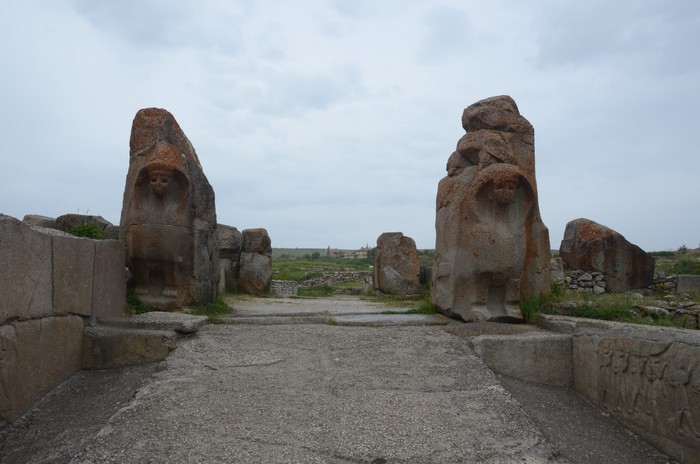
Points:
[(491, 245), (504, 192), (160, 181)]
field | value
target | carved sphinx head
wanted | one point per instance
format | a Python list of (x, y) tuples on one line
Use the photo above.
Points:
[(159, 180), (504, 190)]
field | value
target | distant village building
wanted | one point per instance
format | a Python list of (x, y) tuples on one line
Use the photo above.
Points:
[(362, 253)]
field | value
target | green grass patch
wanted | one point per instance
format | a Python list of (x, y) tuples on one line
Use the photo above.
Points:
[(687, 266), (419, 305), (212, 310), (303, 269), (88, 230), (609, 307), (134, 305), (317, 291)]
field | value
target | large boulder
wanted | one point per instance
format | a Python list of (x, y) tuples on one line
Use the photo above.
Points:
[(396, 265), (590, 246), (492, 248), (255, 266), (168, 221)]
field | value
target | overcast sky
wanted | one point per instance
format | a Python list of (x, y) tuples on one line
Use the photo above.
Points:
[(329, 122)]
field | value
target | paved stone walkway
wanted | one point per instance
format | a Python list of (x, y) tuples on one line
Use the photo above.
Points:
[(308, 393)]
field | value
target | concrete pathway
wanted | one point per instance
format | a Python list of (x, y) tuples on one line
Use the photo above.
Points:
[(306, 393)]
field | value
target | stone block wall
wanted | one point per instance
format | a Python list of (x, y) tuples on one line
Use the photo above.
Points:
[(284, 288), (648, 378), (51, 285)]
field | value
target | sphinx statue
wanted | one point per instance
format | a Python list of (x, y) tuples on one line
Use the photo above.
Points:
[(168, 222), (492, 248)]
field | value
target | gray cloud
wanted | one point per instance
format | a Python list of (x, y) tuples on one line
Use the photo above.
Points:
[(331, 122)]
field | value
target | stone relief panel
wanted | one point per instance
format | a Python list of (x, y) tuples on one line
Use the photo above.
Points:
[(8, 360), (654, 385)]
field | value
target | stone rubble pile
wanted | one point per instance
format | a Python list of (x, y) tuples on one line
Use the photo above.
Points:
[(662, 282), (586, 282), (685, 311)]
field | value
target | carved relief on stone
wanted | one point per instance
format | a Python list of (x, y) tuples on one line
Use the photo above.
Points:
[(8, 359), (654, 385)]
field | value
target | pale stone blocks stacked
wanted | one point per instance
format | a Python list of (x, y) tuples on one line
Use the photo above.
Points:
[(49, 282)]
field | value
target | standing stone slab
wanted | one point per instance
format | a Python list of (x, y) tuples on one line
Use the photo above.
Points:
[(73, 274), (168, 222), (109, 294), (35, 356), (590, 246), (256, 262), (230, 241), (492, 247), (255, 273), (396, 265), (25, 271)]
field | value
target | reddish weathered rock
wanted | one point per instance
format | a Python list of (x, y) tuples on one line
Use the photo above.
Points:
[(492, 247), (590, 246), (256, 241), (168, 222), (255, 266), (396, 266)]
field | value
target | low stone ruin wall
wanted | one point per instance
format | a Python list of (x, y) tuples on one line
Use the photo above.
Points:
[(53, 284), (648, 378), (339, 277), (595, 282), (284, 288), (664, 283), (586, 282)]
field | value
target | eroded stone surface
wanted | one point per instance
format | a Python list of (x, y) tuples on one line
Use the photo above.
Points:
[(25, 271), (396, 267), (230, 241), (73, 274), (590, 246), (648, 378), (492, 247), (109, 282), (168, 221), (255, 265), (35, 356)]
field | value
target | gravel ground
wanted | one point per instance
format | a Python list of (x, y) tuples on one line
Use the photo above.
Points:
[(316, 394)]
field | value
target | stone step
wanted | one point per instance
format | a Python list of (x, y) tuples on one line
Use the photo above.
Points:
[(111, 347), (140, 339), (157, 320), (352, 319)]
